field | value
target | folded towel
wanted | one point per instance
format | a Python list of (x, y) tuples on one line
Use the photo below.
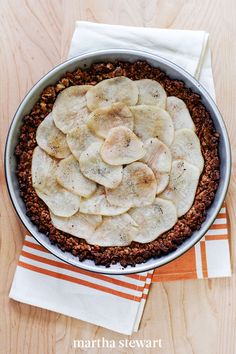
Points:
[(114, 302), (117, 302), (209, 258), (188, 49)]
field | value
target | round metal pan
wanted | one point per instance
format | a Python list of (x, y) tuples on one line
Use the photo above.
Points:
[(84, 61)]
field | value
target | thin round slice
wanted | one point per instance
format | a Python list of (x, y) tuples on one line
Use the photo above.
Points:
[(51, 139), (186, 146), (179, 113), (70, 108), (79, 139), (117, 89), (151, 93), (138, 187), (79, 225), (70, 177), (153, 122), (114, 231), (154, 220), (103, 119), (43, 170), (59, 200), (122, 147), (93, 167), (98, 204), (182, 186), (158, 158)]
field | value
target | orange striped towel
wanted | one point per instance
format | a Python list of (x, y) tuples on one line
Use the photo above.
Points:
[(114, 302), (209, 258)]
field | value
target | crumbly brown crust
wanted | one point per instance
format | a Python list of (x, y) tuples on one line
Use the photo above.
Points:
[(135, 253)]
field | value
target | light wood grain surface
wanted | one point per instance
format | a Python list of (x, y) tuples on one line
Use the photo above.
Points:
[(192, 316)]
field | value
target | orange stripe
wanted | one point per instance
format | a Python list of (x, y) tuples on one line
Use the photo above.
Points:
[(216, 237), (147, 286), (35, 246), (186, 264), (80, 271), (221, 216), (78, 281), (204, 259), (139, 276), (218, 226), (144, 296), (173, 277)]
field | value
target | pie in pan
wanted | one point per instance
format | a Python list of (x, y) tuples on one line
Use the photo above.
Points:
[(118, 163)]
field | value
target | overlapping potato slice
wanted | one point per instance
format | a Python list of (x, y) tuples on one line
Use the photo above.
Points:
[(79, 225), (94, 168), (158, 158), (138, 187), (118, 230), (153, 122), (58, 199), (98, 204), (117, 89), (122, 147), (51, 139), (103, 119), (79, 139), (179, 113), (182, 185), (70, 177), (186, 146), (153, 220), (43, 170), (70, 108), (151, 93)]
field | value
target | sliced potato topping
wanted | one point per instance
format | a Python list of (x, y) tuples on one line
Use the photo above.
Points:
[(104, 154), (151, 93), (79, 139), (93, 167), (138, 187), (118, 230), (182, 185), (121, 147), (98, 204), (79, 225), (103, 119), (51, 139), (158, 158), (153, 122), (153, 220), (186, 146), (179, 113), (117, 89), (70, 177), (70, 108)]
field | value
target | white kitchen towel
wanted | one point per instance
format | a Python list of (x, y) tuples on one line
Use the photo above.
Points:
[(188, 49), (114, 302)]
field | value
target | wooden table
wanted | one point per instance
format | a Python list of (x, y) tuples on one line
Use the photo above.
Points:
[(192, 316)]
